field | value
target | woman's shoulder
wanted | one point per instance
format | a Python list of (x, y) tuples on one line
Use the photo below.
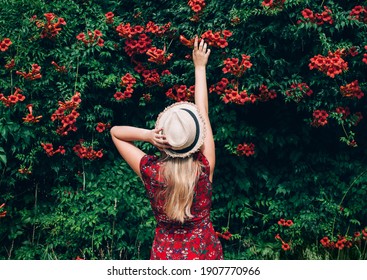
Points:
[(148, 160), (203, 160)]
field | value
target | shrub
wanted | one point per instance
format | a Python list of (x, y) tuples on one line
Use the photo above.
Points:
[(286, 97)]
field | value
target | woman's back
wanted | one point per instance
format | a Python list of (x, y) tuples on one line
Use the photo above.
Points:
[(193, 239)]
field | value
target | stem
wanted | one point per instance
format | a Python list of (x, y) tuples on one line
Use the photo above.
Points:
[(351, 185), (229, 217), (11, 249), (77, 73), (83, 175), (364, 250), (346, 134), (345, 194), (2, 175), (35, 212)]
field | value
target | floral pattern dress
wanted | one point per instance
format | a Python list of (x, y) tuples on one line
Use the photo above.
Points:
[(195, 238)]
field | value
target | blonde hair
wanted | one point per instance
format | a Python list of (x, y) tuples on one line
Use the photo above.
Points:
[(180, 176)]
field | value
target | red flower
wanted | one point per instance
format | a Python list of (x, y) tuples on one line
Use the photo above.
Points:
[(67, 114), (267, 3), (232, 65), (196, 5), (320, 118), (49, 149), (34, 74), (158, 56), (325, 241), (352, 90), (359, 13), (51, 27), (281, 222), (30, 118), (4, 44), (245, 149), (2, 213), (109, 17), (101, 127), (331, 65), (286, 247), (86, 152)]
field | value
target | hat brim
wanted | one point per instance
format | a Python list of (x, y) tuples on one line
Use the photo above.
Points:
[(200, 132)]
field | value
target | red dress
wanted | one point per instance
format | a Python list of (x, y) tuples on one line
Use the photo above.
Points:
[(195, 238)]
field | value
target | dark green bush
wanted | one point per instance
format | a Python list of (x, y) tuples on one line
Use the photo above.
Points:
[(282, 152)]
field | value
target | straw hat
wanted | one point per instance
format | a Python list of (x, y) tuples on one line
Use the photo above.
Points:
[(183, 127)]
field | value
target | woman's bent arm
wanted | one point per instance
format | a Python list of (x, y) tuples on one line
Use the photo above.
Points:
[(124, 136)]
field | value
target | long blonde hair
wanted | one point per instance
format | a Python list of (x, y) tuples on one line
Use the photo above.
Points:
[(180, 176)]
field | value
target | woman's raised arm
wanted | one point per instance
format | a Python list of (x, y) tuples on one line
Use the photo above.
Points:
[(200, 57)]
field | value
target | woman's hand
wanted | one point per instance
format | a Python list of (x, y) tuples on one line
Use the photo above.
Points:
[(158, 139), (200, 53)]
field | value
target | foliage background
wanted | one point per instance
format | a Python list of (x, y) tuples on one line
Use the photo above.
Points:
[(69, 207)]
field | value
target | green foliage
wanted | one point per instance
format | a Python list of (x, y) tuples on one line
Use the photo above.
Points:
[(63, 206)]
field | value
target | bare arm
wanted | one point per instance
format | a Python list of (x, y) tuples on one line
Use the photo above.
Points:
[(200, 58), (123, 138)]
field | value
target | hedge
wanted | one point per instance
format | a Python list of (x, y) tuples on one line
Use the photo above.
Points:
[(287, 82)]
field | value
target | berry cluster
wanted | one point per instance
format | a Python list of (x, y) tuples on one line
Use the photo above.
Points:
[(319, 118), (272, 4), (58, 68), (298, 91), (359, 13), (127, 81), (67, 114), (49, 149), (13, 98), (318, 18), (181, 93), (93, 37), (102, 126), (51, 27), (86, 152), (5, 44), (34, 74), (331, 65), (234, 67), (352, 90), (245, 149), (158, 56), (30, 118), (109, 17), (196, 5)]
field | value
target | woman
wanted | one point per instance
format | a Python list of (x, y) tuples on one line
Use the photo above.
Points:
[(178, 184)]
